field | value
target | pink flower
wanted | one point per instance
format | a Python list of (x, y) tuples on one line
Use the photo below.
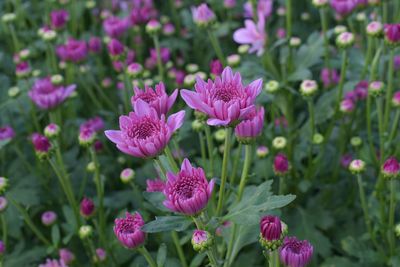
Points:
[(361, 90), (165, 54), (271, 228), (225, 100), (216, 67), (157, 98), (395, 102), (40, 143), (87, 207), (53, 263), (94, 44), (396, 63), (2, 247), (101, 254), (115, 48), (47, 96), (329, 77), (229, 3), (142, 11), (22, 69), (144, 133), (295, 253), (6, 132), (155, 185), (252, 34), (392, 33), (252, 126), (48, 218), (59, 18), (343, 7), (264, 9), (281, 164), (347, 106), (95, 123), (188, 191), (202, 15), (281, 33), (66, 255), (128, 230), (391, 168), (115, 27), (74, 51)]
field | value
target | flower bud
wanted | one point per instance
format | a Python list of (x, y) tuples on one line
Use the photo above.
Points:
[(85, 231), (397, 230), (243, 49), (90, 4), (66, 255), (318, 139), (281, 11), (202, 240), (396, 99), (197, 125), (357, 166), (91, 167), (41, 145), (127, 175), (87, 208), (189, 80), (134, 70), (233, 60), (49, 35), (308, 88), (262, 151), (121, 160), (347, 106), (376, 88), (153, 27), (3, 203), (320, 3), (390, 168), (57, 79), (271, 232), (279, 142), (101, 255), (2, 248), (49, 218), (305, 16), (8, 17), (220, 135), (339, 29), (3, 184), (52, 130), (374, 29), (192, 68), (86, 136), (281, 164), (14, 91), (345, 40), (361, 17), (294, 42), (356, 141), (272, 87)]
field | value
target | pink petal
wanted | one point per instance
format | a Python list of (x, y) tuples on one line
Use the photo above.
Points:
[(175, 121)]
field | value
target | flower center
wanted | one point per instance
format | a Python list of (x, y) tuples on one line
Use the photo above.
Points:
[(148, 97), (186, 186), (296, 247), (226, 93), (143, 129)]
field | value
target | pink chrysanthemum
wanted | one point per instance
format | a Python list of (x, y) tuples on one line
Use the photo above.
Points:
[(6, 132), (296, 253), (252, 126), (53, 263), (155, 185), (128, 230), (144, 133), (188, 191), (115, 27), (73, 50), (59, 18), (226, 100), (253, 34)]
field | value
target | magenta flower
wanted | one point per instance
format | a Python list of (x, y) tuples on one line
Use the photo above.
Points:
[(49, 218), (329, 77), (281, 33), (264, 9), (396, 63), (295, 253), (391, 168), (347, 106), (144, 133), (95, 123), (270, 228), (94, 44), (395, 102), (345, 160), (3, 203), (165, 54), (392, 33), (53, 263), (142, 11), (101, 254), (155, 185), (74, 51), (361, 90), (188, 191), (252, 126), (41, 144), (115, 27), (202, 15), (87, 207), (47, 96), (157, 98), (115, 48), (201, 240), (2, 247), (216, 67), (66, 255), (6, 132), (225, 100), (22, 69), (343, 7), (58, 18), (253, 34), (128, 230), (281, 164)]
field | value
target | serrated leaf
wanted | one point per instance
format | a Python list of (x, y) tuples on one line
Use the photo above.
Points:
[(167, 223)]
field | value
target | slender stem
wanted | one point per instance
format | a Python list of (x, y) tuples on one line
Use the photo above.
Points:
[(392, 210), (342, 78), (230, 246), (171, 159), (310, 104), (389, 91), (324, 26), (142, 250), (224, 172), (393, 132), (269, 65), (379, 107), (212, 258), (245, 171), (216, 46), (4, 229), (210, 147), (364, 205), (160, 167), (179, 249), (254, 9), (289, 19), (202, 148), (235, 165), (127, 89), (14, 38), (159, 62), (368, 58)]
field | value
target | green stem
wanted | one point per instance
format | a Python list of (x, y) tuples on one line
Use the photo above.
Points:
[(202, 148), (389, 91), (159, 62), (393, 132), (216, 46), (324, 26), (310, 104), (392, 210), (227, 146), (289, 19), (230, 246), (175, 17), (232, 180), (142, 250), (245, 171), (14, 38), (210, 147), (171, 159), (269, 65), (179, 249), (368, 58), (4, 229), (379, 107), (127, 89), (212, 258), (343, 70), (160, 167), (364, 205)]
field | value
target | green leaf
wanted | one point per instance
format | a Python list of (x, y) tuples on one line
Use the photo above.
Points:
[(161, 255), (55, 235), (156, 199), (310, 53), (299, 75), (197, 260), (3, 143), (167, 223)]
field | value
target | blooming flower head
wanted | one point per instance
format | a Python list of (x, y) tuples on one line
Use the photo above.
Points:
[(74, 51), (142, 11), (252, 34), (6, 132), (95, 123), (94, 44), (203, 15), (115, 48), (58, 18), (226, 100), (357, 166), (296, 253), (187, 191), (115, 26), (143, 133), (343, 7), (390, 168), (201, 240), (47, 96), (329, 77), (157, 98), (392, 34), (66, 255), (53, 263), (128, 230), (41, 145), (251, 127), (281, 164), (264, 9), (155, 185), (49, 218), (87, 207)]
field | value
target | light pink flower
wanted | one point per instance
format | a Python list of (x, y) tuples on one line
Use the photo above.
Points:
[(264, 9), (225, 100), (252, 126), (253, 34), (202, 15), (155, 185), (115, 27), (53, 263), (143, 133)]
